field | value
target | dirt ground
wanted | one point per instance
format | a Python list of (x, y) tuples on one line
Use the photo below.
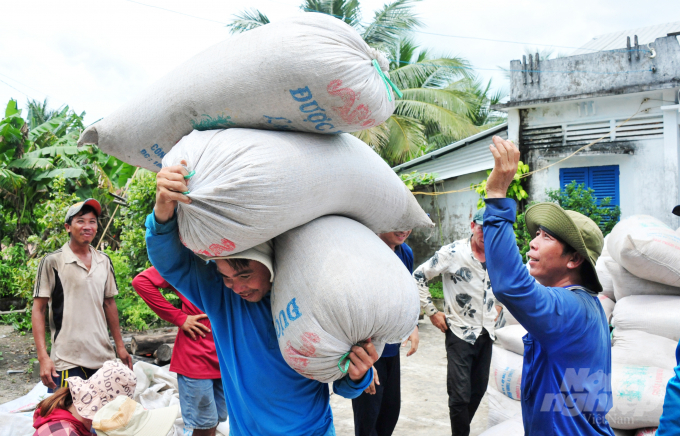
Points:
[(424, 409), (17, 352)]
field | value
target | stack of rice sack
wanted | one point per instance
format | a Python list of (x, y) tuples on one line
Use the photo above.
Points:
[(285, 170), (644, 267)]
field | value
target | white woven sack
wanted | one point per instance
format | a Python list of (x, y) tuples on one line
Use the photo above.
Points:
[(654, 314), (647, 248), (638, 393), (603, 273), (511, 427), (310, 73), (626, 284), (638, 348), (337, 284), (607, 305), (510, 338), (252, 185), (506, 369), (501, 408)]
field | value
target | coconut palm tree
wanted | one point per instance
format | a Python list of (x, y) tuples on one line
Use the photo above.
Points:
[(434, 104)]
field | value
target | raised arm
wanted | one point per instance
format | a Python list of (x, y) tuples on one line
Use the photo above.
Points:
[(541, 310)]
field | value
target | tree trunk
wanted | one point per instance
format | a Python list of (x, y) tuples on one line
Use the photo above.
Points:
[(143, 345), (164, 353)]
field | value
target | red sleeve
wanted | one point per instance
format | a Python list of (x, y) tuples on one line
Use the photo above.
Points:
[(146, 284)]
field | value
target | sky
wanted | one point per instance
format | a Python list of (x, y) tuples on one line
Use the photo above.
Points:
[(94, 55)]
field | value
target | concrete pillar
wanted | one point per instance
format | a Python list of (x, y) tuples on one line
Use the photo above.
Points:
[(513, 125), (671, 154)]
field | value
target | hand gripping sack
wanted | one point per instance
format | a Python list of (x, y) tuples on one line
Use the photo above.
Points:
[(252, 185), (647, 248), (626, 284), (310, 73), (337, 284), (654, 314), (638, 348), (637, 393)]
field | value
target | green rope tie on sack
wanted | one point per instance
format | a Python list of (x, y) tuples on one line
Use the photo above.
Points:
[(347, 362), (388, 83)]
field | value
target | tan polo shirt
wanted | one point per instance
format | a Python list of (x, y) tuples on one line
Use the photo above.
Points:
[(80, 335)]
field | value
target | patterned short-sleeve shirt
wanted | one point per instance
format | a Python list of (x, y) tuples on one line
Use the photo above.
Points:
[(470, 305)]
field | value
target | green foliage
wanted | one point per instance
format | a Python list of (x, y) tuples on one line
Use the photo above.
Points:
[(141, 197), (579, 199), (437, 289), (515, 190), (415, 178)]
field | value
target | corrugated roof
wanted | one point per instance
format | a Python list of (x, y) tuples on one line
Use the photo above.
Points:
[(612, 41), (463, 157)]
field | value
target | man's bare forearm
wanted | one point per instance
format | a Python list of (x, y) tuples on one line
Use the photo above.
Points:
[(38, 327), (111, 313)]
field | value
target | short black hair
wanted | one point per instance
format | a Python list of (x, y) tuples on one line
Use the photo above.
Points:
[(238, 264), (84, 211)]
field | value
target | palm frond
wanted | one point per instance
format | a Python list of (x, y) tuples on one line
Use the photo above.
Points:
[(54, 150), (433, 73), (10, 180), (428, 107), (377, 137), (67, 173), (248, 19), (391, 23), (348, 11), (407, 135)]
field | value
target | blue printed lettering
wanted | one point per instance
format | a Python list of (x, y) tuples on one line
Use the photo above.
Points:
[(283, 320), (293, 310), (304, 107), (301, 94), (318, 127), (318, 117)]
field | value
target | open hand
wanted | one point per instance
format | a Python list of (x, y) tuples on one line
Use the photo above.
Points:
[(170, 185), (124, 356), (371, 389), (361, 359), (47, 371), (415, 340), (193, 327), (506, 160)]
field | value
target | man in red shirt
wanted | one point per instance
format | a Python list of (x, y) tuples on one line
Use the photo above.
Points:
[(194, 358)]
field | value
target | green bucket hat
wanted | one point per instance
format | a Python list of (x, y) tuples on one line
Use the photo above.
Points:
[(575, 229)]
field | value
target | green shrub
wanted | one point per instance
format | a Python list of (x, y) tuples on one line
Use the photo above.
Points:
[(437, 289)]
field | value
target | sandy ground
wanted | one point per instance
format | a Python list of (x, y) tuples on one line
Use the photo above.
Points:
[(17, 351), (424, 407)]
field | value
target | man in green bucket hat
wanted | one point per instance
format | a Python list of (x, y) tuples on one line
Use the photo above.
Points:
[(566, 378)]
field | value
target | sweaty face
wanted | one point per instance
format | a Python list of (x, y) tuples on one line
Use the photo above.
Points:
[(547, 262), (83, 228), (395, 238), (251, 283)]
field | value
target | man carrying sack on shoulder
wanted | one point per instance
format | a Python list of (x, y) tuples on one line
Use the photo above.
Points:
[(566, 386)]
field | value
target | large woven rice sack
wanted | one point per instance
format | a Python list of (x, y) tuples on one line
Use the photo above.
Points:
[(654, 314), (510, 338), (501, 408), (506, 371), (603, 274), (337, 284), (511, 427), (252, 185), (310, 73), (626, 284), (638, 393), (638, 348), (647, 248), (607, 305)]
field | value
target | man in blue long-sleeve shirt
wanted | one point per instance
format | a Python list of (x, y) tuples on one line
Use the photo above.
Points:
[(264, 395), (566, 386)]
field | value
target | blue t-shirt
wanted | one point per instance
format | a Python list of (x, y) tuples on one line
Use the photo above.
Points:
[(404, 253), (264, 395), (566, 376), (669, 424)]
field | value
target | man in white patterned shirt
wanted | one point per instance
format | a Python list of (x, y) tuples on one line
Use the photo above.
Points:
[(468, 321)]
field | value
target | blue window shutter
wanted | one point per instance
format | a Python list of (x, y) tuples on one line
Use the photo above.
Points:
[(568, 175), (605, 182)]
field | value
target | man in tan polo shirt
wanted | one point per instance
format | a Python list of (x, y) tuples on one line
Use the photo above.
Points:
[(78, 284)]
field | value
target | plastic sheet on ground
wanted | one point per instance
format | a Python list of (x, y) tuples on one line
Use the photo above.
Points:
[(157, 388), (16, 416)]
